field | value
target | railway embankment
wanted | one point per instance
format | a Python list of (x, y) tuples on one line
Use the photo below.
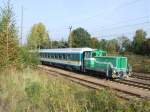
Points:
[(131, 87)]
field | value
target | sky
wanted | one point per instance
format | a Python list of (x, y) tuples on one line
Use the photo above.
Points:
[(101, 18)]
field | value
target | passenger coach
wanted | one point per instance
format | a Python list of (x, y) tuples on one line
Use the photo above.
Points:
[(68, 57)]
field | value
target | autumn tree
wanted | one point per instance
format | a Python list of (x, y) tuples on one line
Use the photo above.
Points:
[(8, 37), (79, 38), (38, 37)]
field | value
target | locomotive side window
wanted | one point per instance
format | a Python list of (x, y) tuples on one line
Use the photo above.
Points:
[(88, 54), (93, 54)]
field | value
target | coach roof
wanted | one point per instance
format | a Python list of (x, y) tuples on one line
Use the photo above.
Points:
[(66, 50)]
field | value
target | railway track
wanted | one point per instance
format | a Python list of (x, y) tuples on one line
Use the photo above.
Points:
[(133, 83), (141, 76), (123, 90)]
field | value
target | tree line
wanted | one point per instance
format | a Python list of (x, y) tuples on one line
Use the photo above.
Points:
[(79, 37)]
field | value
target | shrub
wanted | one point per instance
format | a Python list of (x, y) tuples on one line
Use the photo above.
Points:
[(28, 58)]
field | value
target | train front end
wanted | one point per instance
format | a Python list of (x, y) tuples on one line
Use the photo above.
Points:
[(112, 66)]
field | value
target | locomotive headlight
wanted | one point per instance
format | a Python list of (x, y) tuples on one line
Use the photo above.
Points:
[(114, 71)]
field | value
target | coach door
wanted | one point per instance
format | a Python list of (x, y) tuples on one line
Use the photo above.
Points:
[(86, 55)]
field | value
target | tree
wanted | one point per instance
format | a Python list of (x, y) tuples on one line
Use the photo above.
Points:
[(124, 43), (38, 37), (8, 37), (103, 44), (146, 47), (112, 46), (94, 42), (79, 38), (138, 40)]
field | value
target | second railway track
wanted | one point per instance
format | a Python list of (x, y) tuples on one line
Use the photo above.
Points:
[(141, 76), (123, 90), (133, 83)]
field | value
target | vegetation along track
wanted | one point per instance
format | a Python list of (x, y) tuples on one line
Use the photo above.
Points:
[(122, 90)]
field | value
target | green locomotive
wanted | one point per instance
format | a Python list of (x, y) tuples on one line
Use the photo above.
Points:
[(112, 66), (85, 59)]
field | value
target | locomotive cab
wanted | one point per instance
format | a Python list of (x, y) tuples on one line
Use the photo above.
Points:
[(112, 66)]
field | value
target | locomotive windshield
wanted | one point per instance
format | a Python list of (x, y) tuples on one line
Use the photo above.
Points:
[(97, 53)]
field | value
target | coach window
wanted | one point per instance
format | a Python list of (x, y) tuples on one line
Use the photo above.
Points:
[(71, 57), (59, 56), (52, 56), (77, 57), (68, 57), (46, 55), (55, 56), (62, 56)]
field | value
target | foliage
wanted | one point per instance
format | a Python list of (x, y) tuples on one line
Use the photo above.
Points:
[(60, 44), (145, 47), (11, 54), (8, 37), (27, 57), (139, 38), (94, 42), (112, 46), (124, 42), (35, 91), (79, 38), (38, 37), (103, 44)]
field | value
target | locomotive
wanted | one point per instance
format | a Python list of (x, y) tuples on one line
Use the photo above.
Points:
[(85, 59)]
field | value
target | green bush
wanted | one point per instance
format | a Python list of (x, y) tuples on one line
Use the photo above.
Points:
[(28, 58)]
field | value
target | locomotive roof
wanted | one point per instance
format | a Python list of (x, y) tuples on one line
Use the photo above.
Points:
[(66, 50)]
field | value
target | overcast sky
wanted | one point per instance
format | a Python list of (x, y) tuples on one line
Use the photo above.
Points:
[(101, 18)]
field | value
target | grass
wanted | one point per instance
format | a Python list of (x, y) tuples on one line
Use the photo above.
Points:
[(33, 91)]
